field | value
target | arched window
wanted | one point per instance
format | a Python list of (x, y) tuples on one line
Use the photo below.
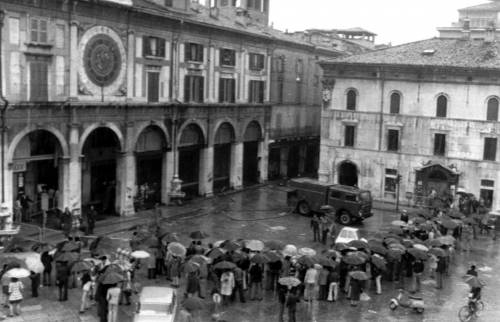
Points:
[(351, 100), (441, 106), (395, 103), (492, 112)]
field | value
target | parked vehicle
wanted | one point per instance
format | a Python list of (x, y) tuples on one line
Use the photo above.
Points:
[(156, 304), (350, 204), (346, 235), (408, 301)]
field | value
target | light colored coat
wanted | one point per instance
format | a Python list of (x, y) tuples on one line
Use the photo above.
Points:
[(227, 283)]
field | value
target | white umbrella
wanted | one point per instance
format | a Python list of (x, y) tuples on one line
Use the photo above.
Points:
[(218, 243), (34, 264), (421, 247), (255, 245), (140, 254), (306, 251), (289, 250), (17, 273)]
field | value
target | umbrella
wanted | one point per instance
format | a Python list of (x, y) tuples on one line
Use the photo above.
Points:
[(41, 247), (359, 275), (34, 264), (468, 220), (417, 253), (421, 247), (81, 266), (438, 252), (419, 220), (191, 267), (353, 259), (399, 223), (308, 261), (230, 245), (379, 249), (140, 254), (116, 268), (397, 246), (325, 261), (95, 261), (255, 245), (289, 250), (426, 227), (100, 241), (198, 235), (17, 273), (379, 262), (66, 257), (449, 224), (435, 243), (215, 253), (272, 256), (177, 249), (274, 244), (359, 244), (394, 254), (224, 265), (194, 304), (13, 264), (259, 259), (289, 281), (407, 243), (305, 251), (70, 247), (200, 259), (447, 240), (341, 246), (473, 281), (110, 278), (455, 214), (169, 238)]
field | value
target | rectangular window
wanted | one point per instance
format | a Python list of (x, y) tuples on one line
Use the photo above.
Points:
[(256, 61), (391, 178), (59, 36), (490, 149), (227, 57), (279, 64), (256, 91), (349, 133), (194, 52), (439, 144), (227, 90), (14, 31), (38, 30), (153, 46), (299, 67), (38, 81), (487, 183), (153, 87), (193, 89), (393, 140)]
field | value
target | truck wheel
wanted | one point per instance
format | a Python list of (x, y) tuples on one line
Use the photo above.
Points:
[(345, 218), (303, 208)]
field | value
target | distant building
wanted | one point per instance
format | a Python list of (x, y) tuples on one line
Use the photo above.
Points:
[(426, 111)]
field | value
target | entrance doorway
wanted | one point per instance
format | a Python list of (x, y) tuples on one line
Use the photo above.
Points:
[(190, 145), (36, 173), (293, 161), (150, 150), (348, 174), (252, 138), (99, 170), (224, 139)]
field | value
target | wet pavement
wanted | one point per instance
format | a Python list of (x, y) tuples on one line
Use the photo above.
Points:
[(262, 214)]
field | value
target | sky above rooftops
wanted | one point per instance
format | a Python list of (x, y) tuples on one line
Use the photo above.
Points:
[(395, 21)]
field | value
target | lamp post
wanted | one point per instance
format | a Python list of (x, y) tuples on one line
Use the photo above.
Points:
[(3, 111), (175, 193)]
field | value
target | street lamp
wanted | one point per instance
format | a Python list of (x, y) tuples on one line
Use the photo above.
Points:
[(4, 109), (175, 192)]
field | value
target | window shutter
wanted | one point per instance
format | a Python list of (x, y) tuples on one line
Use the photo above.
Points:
[(145, 46), (187, 88), (201, 91), (161, 47), (200, 53), (261, 92), (221, 90), (232, 91)]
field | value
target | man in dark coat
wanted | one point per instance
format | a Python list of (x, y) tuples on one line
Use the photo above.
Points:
[(62, 280), (91, 218), (440, 270), (291, 303), (35, 283), (47, 268)]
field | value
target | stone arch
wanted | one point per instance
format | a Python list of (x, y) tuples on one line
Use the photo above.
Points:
[(158, 125), (89, 129), (218, 125), (19, 136), (224, 126), (247, 126), (190, 122)]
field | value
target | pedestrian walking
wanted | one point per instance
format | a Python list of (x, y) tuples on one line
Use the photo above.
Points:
[(203, 280), (66, 221), (282, 294), (256, 276), (333, 284), (5, 286), (91, 219), (355, 292), (377, 277), (311, 282), (274, 269), (15, 296), (46, 260), (62, 280), (113, 298), (35, 283), (86, 289), (315, 227), (127, 289), (440, 271), (323, 284), (192, 284), (226, 286), (418, 269), (291, 303), (324, 225), (151, 262), (238, 285)]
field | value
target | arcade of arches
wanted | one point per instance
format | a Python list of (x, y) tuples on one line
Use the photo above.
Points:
[(119, 173)]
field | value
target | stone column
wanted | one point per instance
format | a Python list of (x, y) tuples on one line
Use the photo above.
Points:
[(65, 181), (324, 172), (73, 174), (263, 159), (166, 177), (74, 55), (236, 168), (284, 151), (125, 185), (206, 181)]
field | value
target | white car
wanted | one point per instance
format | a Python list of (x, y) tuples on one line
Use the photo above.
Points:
[(346, 235), (156, 304)]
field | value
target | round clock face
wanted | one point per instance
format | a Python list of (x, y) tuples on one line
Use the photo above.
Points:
[(102, 60)]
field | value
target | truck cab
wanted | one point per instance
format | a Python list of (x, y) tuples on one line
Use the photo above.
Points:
[(350, 204)]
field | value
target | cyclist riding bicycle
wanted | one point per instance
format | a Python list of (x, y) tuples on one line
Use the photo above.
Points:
[(474, 296)]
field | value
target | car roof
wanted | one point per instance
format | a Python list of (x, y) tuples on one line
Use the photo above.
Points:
[(335, 186), (157, 295), (350, 229)]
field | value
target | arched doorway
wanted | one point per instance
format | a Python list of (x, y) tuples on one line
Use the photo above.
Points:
[(190, 145), (348, 174), (251, 139), (149, 152), (99, 170), (224, 139), (36, 173)]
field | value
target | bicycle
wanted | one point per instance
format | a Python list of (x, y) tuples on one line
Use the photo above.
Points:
[(472, 310)]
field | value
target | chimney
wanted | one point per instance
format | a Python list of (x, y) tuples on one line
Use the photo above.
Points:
[(491, 31), (466, 29)]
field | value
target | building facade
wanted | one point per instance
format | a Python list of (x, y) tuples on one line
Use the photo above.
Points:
[(108, 101), (424, 112)]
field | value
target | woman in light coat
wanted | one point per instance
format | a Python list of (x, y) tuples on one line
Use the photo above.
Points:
[(226, 285)]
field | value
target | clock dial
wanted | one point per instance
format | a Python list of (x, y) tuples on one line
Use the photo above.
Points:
[(102, 60)]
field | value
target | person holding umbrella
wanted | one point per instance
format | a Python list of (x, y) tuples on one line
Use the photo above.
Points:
[(311, 281), (46, 259), (418, 269), (35, 283), (291, 303), (256, 276), (62, 280), (15, 296), (226, 285), (113, 298)]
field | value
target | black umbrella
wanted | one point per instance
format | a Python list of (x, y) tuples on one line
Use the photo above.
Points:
[(359, 275), (224, 265), (417, 253), (110, 278), (198, 235)]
